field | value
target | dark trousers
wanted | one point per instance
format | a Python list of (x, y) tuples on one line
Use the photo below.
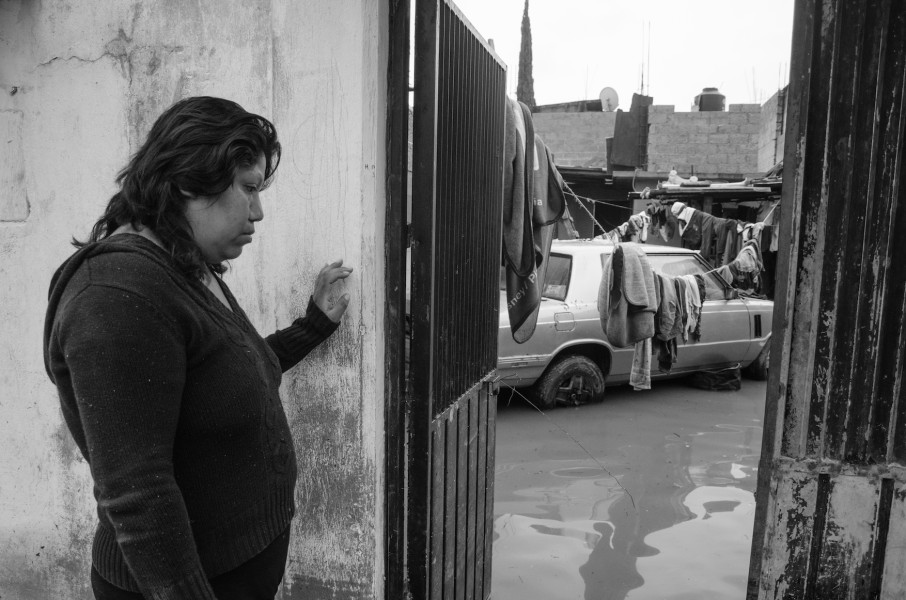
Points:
[(256, 579)]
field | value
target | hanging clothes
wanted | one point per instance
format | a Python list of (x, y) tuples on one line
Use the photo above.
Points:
[(640, 375), (708, 223), (692, 232), (663, 221), (637, 225), (732, 247), (665, 319), (518, 245), (626, 297), (693, 306), (548, 205)]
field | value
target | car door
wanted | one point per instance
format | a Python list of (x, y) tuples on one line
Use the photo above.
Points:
[(725, 326)]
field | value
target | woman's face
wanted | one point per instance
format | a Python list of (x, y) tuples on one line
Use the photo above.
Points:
[(222, 225)]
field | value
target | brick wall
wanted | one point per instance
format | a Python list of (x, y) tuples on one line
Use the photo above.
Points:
[(712, 143), (577, 139)]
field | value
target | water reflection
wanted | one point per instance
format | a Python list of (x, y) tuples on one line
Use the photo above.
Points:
[(664, 516)]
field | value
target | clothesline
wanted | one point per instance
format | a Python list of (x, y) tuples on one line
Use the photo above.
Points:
[(602, 202), (579, 198)]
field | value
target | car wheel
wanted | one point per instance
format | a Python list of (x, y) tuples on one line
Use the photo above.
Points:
[(570, 381), (758, 370)]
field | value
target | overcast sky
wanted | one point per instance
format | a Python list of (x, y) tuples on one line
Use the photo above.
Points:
[(582, 46)]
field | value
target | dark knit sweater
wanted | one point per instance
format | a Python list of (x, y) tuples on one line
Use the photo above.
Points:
[(173, 400)]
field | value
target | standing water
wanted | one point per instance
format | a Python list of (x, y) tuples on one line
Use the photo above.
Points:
[(646, 496)]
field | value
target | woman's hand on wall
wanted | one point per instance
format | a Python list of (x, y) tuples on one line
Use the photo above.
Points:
[(327, 290)]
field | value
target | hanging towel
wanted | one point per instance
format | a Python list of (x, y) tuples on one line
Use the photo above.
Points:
[(548, 205), (518, 177), (626, 297)]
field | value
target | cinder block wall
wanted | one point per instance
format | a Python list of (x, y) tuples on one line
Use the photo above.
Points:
[(577, 139), (711, 143), (770, 140)]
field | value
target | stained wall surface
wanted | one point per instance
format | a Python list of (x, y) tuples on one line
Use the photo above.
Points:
[(80, 85)]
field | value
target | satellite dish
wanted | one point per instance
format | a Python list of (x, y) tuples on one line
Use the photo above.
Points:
[(609, 99)]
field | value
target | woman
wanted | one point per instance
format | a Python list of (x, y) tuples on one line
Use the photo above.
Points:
[(166, 387)]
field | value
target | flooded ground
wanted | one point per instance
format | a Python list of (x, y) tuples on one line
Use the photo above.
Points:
[(661, 509)]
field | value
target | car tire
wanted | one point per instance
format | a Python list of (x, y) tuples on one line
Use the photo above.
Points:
[(571, 380), (758, 369)]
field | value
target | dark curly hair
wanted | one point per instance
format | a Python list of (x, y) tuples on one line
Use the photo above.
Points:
[(195, 146)]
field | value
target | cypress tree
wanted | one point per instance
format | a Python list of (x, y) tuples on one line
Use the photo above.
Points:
[(525, 88)]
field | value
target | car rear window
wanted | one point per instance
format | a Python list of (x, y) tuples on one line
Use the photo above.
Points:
[(556, 280), (674, 265)]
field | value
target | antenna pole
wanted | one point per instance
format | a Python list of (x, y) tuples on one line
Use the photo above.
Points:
[(648, 60)]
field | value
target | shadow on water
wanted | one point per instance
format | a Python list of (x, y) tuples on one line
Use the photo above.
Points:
[(667, 514)]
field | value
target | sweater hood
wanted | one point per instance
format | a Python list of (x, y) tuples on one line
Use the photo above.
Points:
[(125, 243)]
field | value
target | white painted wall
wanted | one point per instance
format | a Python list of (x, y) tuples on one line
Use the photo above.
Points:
[(80, 84)]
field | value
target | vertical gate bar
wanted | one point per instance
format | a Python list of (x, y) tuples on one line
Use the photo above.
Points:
[(471, 502), (489, 245), (443, 208), (489, 497), (421, 372), (480, 162), (452, 424), (481, 482), (462, 496), (441, 165), (438, 496), (395, 299), (466, 304), (454, 225)]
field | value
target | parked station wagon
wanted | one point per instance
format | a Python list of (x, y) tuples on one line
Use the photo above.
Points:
[(568, 358)]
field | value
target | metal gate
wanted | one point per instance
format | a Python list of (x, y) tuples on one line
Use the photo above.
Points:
[(831, 511), (455, 239)]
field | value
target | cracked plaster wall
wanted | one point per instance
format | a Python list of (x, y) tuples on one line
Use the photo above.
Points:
[(80, 85)]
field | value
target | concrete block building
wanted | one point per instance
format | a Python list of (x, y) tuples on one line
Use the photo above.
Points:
[(743, 141)]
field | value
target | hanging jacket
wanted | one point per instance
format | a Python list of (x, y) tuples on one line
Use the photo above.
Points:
[(692, 234), (626, 297)]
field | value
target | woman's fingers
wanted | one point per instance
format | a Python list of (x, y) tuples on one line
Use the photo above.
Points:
[(333, 271), (325, 297)]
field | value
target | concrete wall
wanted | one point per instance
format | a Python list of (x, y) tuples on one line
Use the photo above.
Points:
[(80, 85), (713, 143), (743, 140), (770, 138), (577, 139)]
